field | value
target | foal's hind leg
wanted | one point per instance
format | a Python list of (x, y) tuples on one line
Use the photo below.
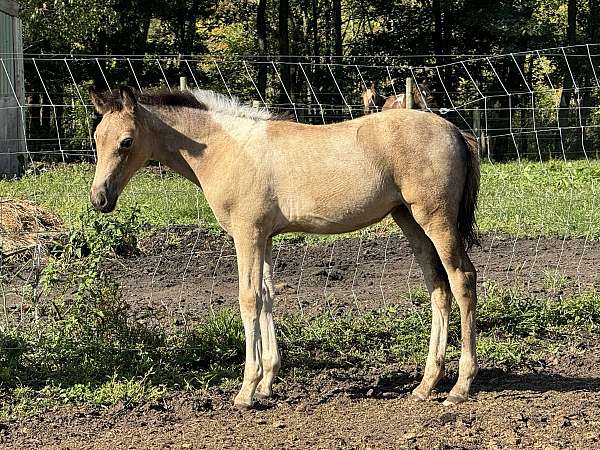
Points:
[(441, 297), (444, 234), (270, 352)]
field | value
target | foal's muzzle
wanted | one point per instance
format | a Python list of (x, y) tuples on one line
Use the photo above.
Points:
[(103, 199)]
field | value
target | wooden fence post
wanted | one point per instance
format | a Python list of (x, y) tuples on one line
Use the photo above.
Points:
[(479, 133), (409, 93)]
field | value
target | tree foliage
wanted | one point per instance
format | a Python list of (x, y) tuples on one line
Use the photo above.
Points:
[(315, 27)]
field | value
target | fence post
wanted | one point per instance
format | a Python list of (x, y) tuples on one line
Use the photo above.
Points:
[(476, 122), (12, 133), (409, 93), (479, 133), (183, 84)]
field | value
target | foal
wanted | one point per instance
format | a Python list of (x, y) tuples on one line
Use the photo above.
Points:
[(262, 177), (422, 98)]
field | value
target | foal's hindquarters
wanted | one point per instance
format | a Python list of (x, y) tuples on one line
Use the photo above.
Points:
[(417, 167), (437, 219)]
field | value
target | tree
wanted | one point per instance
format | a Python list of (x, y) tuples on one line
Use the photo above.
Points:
[(567, 88), (336, 6), (284, 48), (261, 34)]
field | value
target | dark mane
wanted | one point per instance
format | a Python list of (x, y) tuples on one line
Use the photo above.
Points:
[(200, 99), (161, 97)]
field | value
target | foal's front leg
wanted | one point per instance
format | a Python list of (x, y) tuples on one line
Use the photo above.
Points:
[(270, 353), (250, 249)]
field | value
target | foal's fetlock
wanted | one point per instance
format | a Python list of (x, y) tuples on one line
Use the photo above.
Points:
[(265, 387), (429, 381), (243, 400)]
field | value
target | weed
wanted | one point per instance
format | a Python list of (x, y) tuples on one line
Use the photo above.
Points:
[(554, 280)]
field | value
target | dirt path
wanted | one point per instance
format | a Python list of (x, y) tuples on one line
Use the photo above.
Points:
[(555, 408), (183, 272)]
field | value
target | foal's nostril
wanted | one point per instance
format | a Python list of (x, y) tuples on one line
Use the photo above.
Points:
[(102, 200), (99, 200)]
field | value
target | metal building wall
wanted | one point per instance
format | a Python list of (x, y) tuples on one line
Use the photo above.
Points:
[(12, 130)]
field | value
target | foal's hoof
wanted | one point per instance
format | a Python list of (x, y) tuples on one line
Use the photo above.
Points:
[(262, 395), (455, 400), (242, 406), (419, 396)]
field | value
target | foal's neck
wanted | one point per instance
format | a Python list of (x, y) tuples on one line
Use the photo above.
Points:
[(178, 139)]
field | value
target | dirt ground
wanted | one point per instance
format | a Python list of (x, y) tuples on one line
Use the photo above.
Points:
[(557, 407), (183, 272)]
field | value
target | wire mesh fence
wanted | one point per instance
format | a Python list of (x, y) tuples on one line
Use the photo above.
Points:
[(529, 110)]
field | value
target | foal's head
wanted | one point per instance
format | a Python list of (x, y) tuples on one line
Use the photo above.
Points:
[(121, 144), (423, 96), (372, 99)]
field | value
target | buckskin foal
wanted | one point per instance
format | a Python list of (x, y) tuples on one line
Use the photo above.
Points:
[(263, 177)]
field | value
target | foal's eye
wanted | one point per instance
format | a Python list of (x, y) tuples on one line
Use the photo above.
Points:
[(126, 143)]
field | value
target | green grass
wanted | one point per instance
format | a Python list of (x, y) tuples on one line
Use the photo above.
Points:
[(554, 198), (162, 199), (124, 361), (523, 199)]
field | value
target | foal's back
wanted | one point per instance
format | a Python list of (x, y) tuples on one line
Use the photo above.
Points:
[(341, 177)]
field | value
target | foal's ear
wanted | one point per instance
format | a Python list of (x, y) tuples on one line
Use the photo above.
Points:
[(128, 98), (98, 100)]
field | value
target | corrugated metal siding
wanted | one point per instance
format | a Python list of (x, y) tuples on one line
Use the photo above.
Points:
[(11, 126), (7, 48)]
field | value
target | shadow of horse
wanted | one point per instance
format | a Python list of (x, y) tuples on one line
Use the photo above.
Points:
[(494, 380)]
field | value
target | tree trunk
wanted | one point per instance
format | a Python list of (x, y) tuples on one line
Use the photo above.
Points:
[(190, 29), (261, 33), (593, 28), (572, 22), (441, 37), (315, 26), (438, 38), (284, 49), (337, 27), (567, 91)]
